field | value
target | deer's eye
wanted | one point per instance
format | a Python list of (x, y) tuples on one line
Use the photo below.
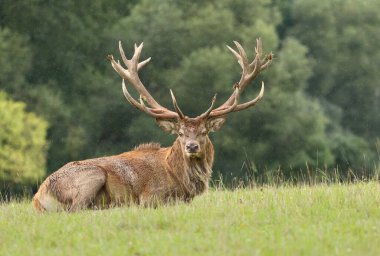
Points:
[(204, 133), (180, 133)]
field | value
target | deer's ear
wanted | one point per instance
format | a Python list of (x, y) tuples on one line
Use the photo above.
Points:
[(215, 123), (169, 126)]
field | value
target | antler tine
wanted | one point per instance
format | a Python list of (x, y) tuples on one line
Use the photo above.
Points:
[(125, 60), (129, 97), (259, 46), (208, 111), (237, 107), (228, 109), (116, 66), (249, 73), (142, 107), (176, 107), (236, 55), (137, 53), (263, 63), (136, 56), (242, 54), (234, 52), (143, 63), (268, 60), (251, 102)]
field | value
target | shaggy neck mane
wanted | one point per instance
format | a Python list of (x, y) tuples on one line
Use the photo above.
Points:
[(192, 174)]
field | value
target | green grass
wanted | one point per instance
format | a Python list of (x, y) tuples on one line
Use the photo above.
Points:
[(304, 220)]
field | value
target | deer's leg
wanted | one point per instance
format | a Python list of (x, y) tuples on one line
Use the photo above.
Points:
[(88, 184)]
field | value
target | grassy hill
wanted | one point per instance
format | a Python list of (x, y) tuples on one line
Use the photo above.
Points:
[(287, 220)]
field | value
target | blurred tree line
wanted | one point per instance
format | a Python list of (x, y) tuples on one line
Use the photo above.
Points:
[(320, 109)]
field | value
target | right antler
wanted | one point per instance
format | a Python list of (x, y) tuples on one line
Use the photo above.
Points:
[(131, 75), (249, 73)]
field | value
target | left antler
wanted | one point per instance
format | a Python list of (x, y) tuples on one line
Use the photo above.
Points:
[(131, 75)]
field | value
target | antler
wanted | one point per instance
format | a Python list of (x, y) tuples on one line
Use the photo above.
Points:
[(131, 75), (249, 73)]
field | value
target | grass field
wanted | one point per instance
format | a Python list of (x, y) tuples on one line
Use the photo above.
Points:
[(304, 220)]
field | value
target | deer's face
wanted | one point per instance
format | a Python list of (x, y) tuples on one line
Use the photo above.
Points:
[(192, 133)]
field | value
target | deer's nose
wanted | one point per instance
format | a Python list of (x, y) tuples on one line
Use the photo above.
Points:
[(192, 147)]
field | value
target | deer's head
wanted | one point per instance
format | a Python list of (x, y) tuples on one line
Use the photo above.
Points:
[(192, 132)]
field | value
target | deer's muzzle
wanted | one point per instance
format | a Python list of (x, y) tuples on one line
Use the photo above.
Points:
[(192, 147)]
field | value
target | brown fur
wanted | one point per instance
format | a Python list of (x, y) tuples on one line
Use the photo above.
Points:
[(149, 175), (148, 146), (37, 205)]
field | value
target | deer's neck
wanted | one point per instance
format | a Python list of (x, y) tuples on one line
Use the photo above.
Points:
[(192, 174)]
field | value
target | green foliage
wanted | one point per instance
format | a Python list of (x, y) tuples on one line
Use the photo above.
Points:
[(321, 101), (15, 60), (313, 23), (344, 44), (22, 143), (292, 67), (294, 140), (351, 152)]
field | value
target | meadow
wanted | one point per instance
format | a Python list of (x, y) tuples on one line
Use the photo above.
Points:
[(335, 219)]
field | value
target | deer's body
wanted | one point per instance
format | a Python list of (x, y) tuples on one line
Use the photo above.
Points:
[(150, 175)]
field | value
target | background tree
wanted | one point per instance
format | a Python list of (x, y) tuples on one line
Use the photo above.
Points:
[(22, 143), (322, 94), (341, 39)]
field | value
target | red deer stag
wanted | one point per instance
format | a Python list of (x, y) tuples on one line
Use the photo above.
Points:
[(149, 174)]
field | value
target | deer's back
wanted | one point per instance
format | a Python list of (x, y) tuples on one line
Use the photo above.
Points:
[(118, 178)]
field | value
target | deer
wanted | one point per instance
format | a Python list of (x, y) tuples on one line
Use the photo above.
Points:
[(151, 175)]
